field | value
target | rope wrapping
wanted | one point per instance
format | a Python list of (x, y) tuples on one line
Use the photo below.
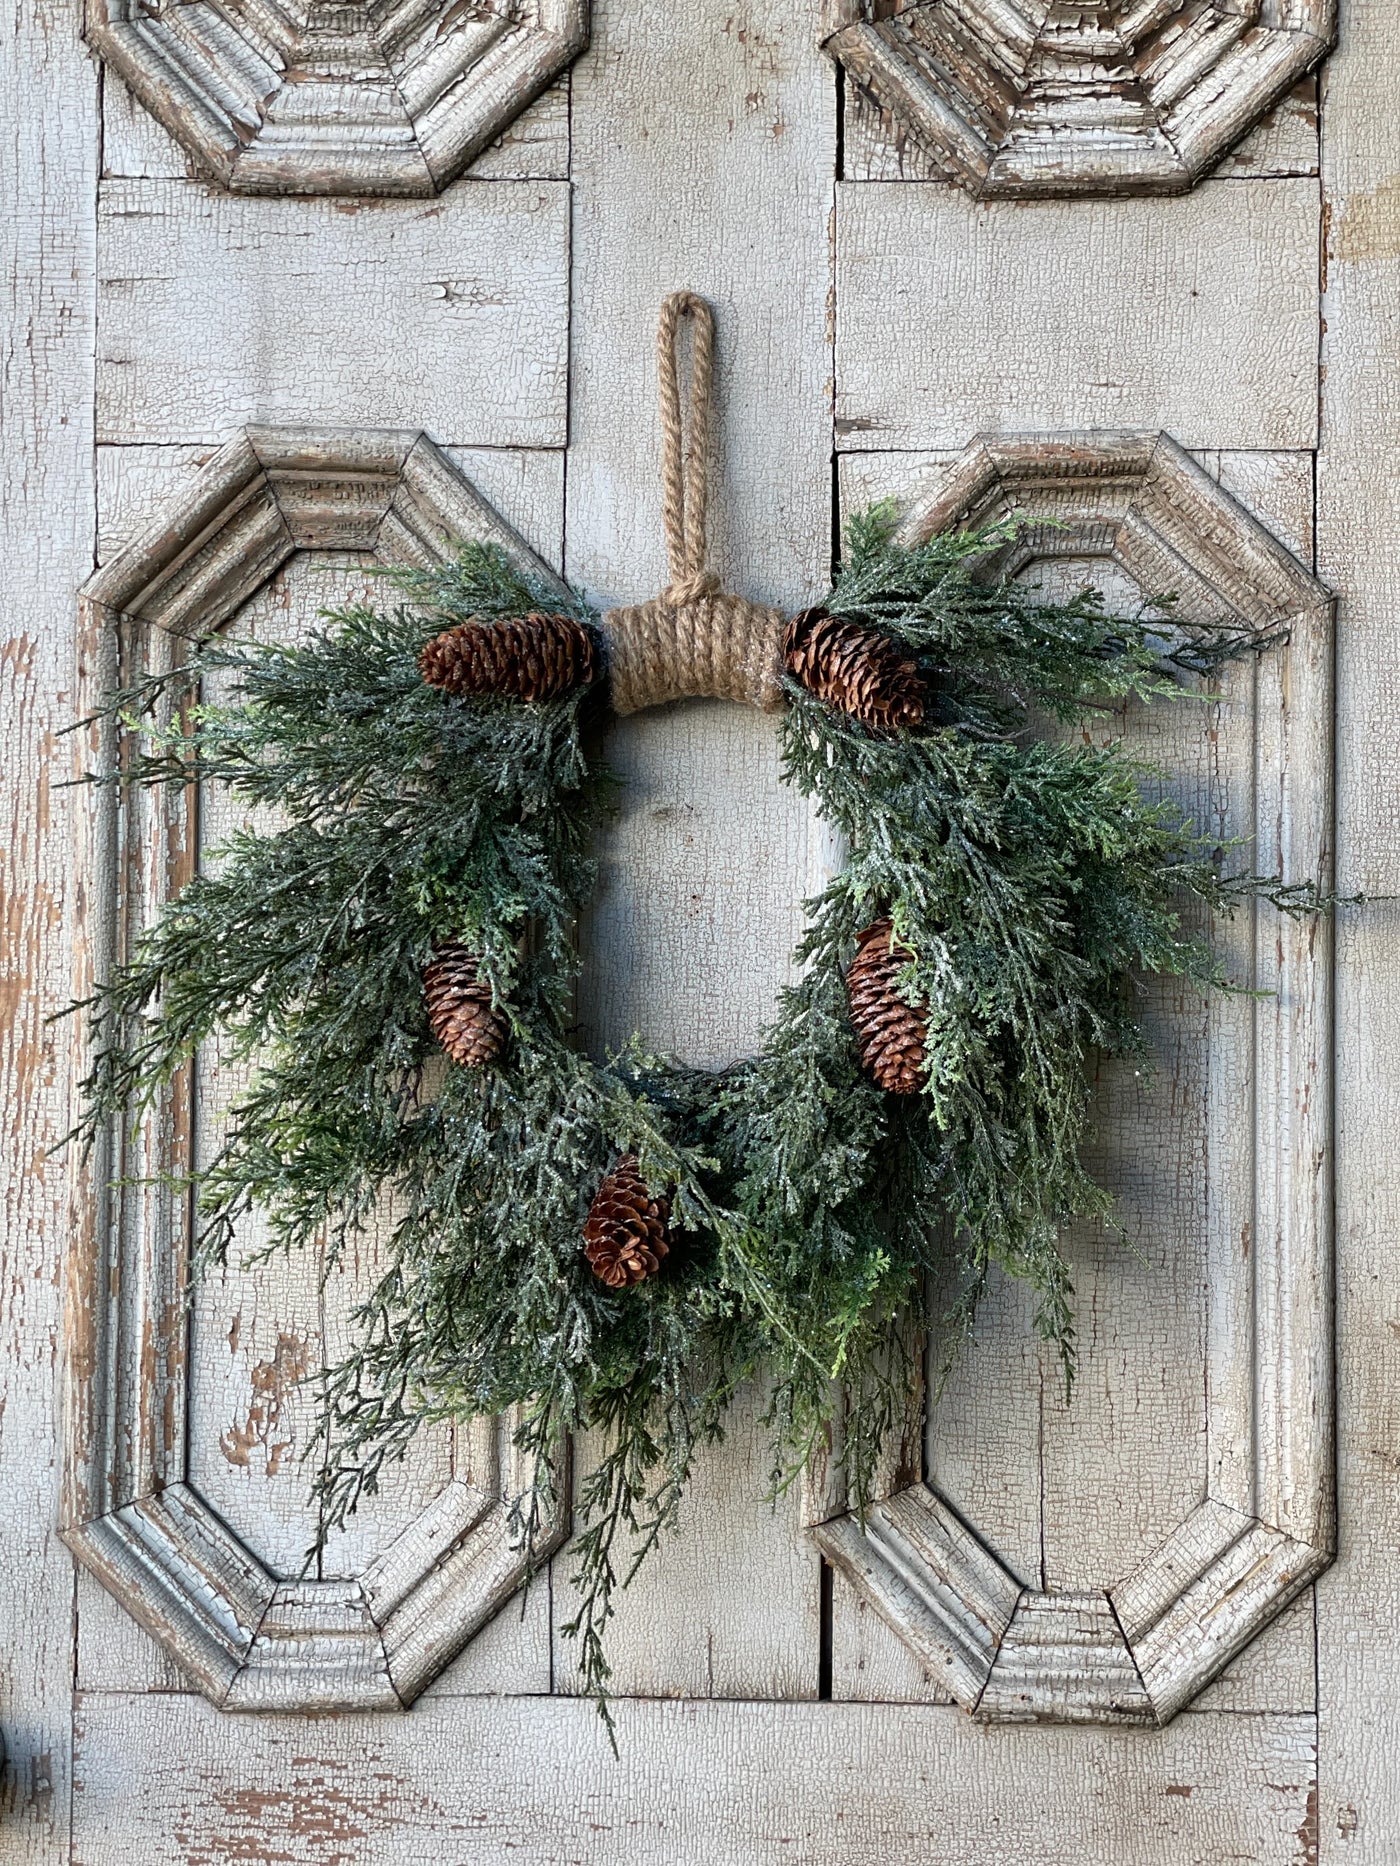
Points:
[(694, 640)]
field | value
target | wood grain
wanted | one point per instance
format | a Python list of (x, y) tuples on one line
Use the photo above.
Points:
[(46, 340), (535, 147), (880, 146), (1134, 99), (1143, 1442), (733, 1784), (1359, 1606), (702, 155), (345, 100), (160, 1393)]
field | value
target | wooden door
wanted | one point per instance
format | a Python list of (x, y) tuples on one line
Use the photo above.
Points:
[(1135, 1593)]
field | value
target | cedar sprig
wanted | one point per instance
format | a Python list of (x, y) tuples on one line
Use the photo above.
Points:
[(999, 652)]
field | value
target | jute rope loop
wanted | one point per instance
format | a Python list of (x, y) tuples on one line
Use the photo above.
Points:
[(694, 640)]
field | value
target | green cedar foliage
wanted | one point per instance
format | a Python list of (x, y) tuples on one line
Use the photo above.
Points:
[(1033, 881)]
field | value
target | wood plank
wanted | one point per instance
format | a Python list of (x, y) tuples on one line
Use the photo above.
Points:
[(260, 1332), (725, 127), (983, 1426), (113, 1651), (870, 1663), (1195, 315), (1123, 1458), (449, 315), (159, 1780), (950, 1599), (1278, 1672), (1358, 484), (725, 1608), (730, 124), (48, 94), (707, 859)]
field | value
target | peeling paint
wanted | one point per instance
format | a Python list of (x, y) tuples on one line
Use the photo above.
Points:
[(271, 1382)]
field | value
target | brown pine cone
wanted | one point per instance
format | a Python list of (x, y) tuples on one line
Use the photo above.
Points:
[(463, 1018), (890, 1034), (534, 657), (625, 1235), (855, 669)]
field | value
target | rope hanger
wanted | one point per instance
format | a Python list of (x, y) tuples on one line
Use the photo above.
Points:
[(685, 477), (694, 640)]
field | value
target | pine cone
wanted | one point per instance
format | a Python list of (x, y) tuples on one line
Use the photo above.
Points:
[(890, 1034), (625, 1235), (534, 657), (464, 1020), (855, 669)]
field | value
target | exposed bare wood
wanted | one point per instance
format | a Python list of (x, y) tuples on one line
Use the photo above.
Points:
[(534, 147), (248, 1636), (879, 145), (47, 262), (740, 1784)]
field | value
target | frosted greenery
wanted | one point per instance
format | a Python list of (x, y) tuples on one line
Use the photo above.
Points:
[(1034, 882)]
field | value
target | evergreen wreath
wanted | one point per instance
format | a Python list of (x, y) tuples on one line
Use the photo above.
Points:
[(618, 1245)]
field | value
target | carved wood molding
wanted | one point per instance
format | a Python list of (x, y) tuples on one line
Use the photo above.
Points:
[(1063, 97), (336, 96), (1139, 1651), (248, 1638)]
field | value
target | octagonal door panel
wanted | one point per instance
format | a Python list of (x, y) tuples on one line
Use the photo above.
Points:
[(325, 97), (193, 1414), (1075, 1559), (294, 287), (1059, 97)]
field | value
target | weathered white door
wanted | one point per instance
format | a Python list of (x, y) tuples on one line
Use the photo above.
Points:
[(480, 316)]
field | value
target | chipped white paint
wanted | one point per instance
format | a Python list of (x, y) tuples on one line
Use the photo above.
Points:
[(704, 144), (329, 97), (879, 146), (1358, 485), (730, 1784), (447, 315), (48, 92), (1147, 1646), (250, 1637), (1198, 316), (1134, 97), (701, 151)]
